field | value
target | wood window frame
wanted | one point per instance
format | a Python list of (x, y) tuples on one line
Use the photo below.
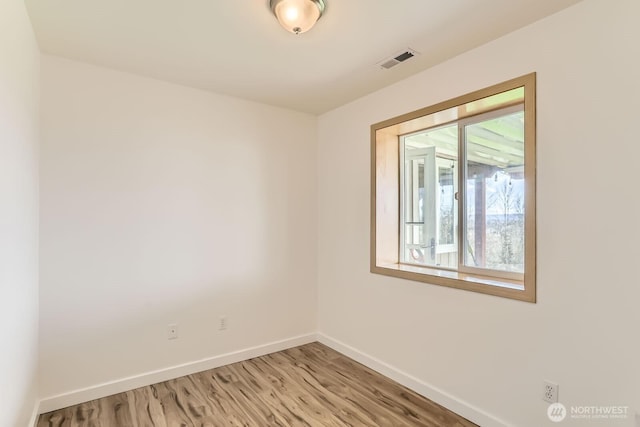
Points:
[(385, 193)]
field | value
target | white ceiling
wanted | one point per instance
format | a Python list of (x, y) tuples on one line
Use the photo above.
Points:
[(237, 47)]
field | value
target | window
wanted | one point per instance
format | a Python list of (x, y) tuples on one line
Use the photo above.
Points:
[(453, 192)]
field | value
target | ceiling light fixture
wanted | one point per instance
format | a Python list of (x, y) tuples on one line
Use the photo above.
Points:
[(297, 16)]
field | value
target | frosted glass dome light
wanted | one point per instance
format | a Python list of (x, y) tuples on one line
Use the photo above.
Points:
[(297, 16)]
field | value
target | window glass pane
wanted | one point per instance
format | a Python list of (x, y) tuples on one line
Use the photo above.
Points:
[(494, 186), (446, 214), (414, 210), (430, 211)]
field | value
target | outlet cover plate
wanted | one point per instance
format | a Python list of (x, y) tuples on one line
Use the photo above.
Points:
[(172, 331), (550, 392)]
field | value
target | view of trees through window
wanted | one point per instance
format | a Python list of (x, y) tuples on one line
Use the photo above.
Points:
[(503, 227), (495, 193)]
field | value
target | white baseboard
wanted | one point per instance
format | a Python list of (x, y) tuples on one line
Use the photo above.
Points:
[(33, 422), (441, 397), (118, 386), (450, 402)]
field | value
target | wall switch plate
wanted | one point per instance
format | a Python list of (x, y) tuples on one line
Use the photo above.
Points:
[(550, 392), (172, 331)]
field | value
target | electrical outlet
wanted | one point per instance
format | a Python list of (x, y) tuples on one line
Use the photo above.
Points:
[(550, 392), (172, 331), (222, 324)]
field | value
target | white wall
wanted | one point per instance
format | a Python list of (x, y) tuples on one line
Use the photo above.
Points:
[(19, 134), (166, 204), (490, 352)]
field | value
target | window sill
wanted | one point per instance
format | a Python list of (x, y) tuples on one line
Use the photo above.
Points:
[(505, 288)]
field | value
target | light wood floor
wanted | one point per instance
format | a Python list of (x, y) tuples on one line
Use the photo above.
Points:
[(311, 385)]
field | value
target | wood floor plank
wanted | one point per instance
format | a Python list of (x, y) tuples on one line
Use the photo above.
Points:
[(333, 403), (277, 393), (359, 395), (310, 386), (61, 418), (111, 411), (220, 389), (146, 410), (387, 392), (254, 390)]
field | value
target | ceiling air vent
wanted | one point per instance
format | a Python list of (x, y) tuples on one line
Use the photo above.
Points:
[(397, 59)]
